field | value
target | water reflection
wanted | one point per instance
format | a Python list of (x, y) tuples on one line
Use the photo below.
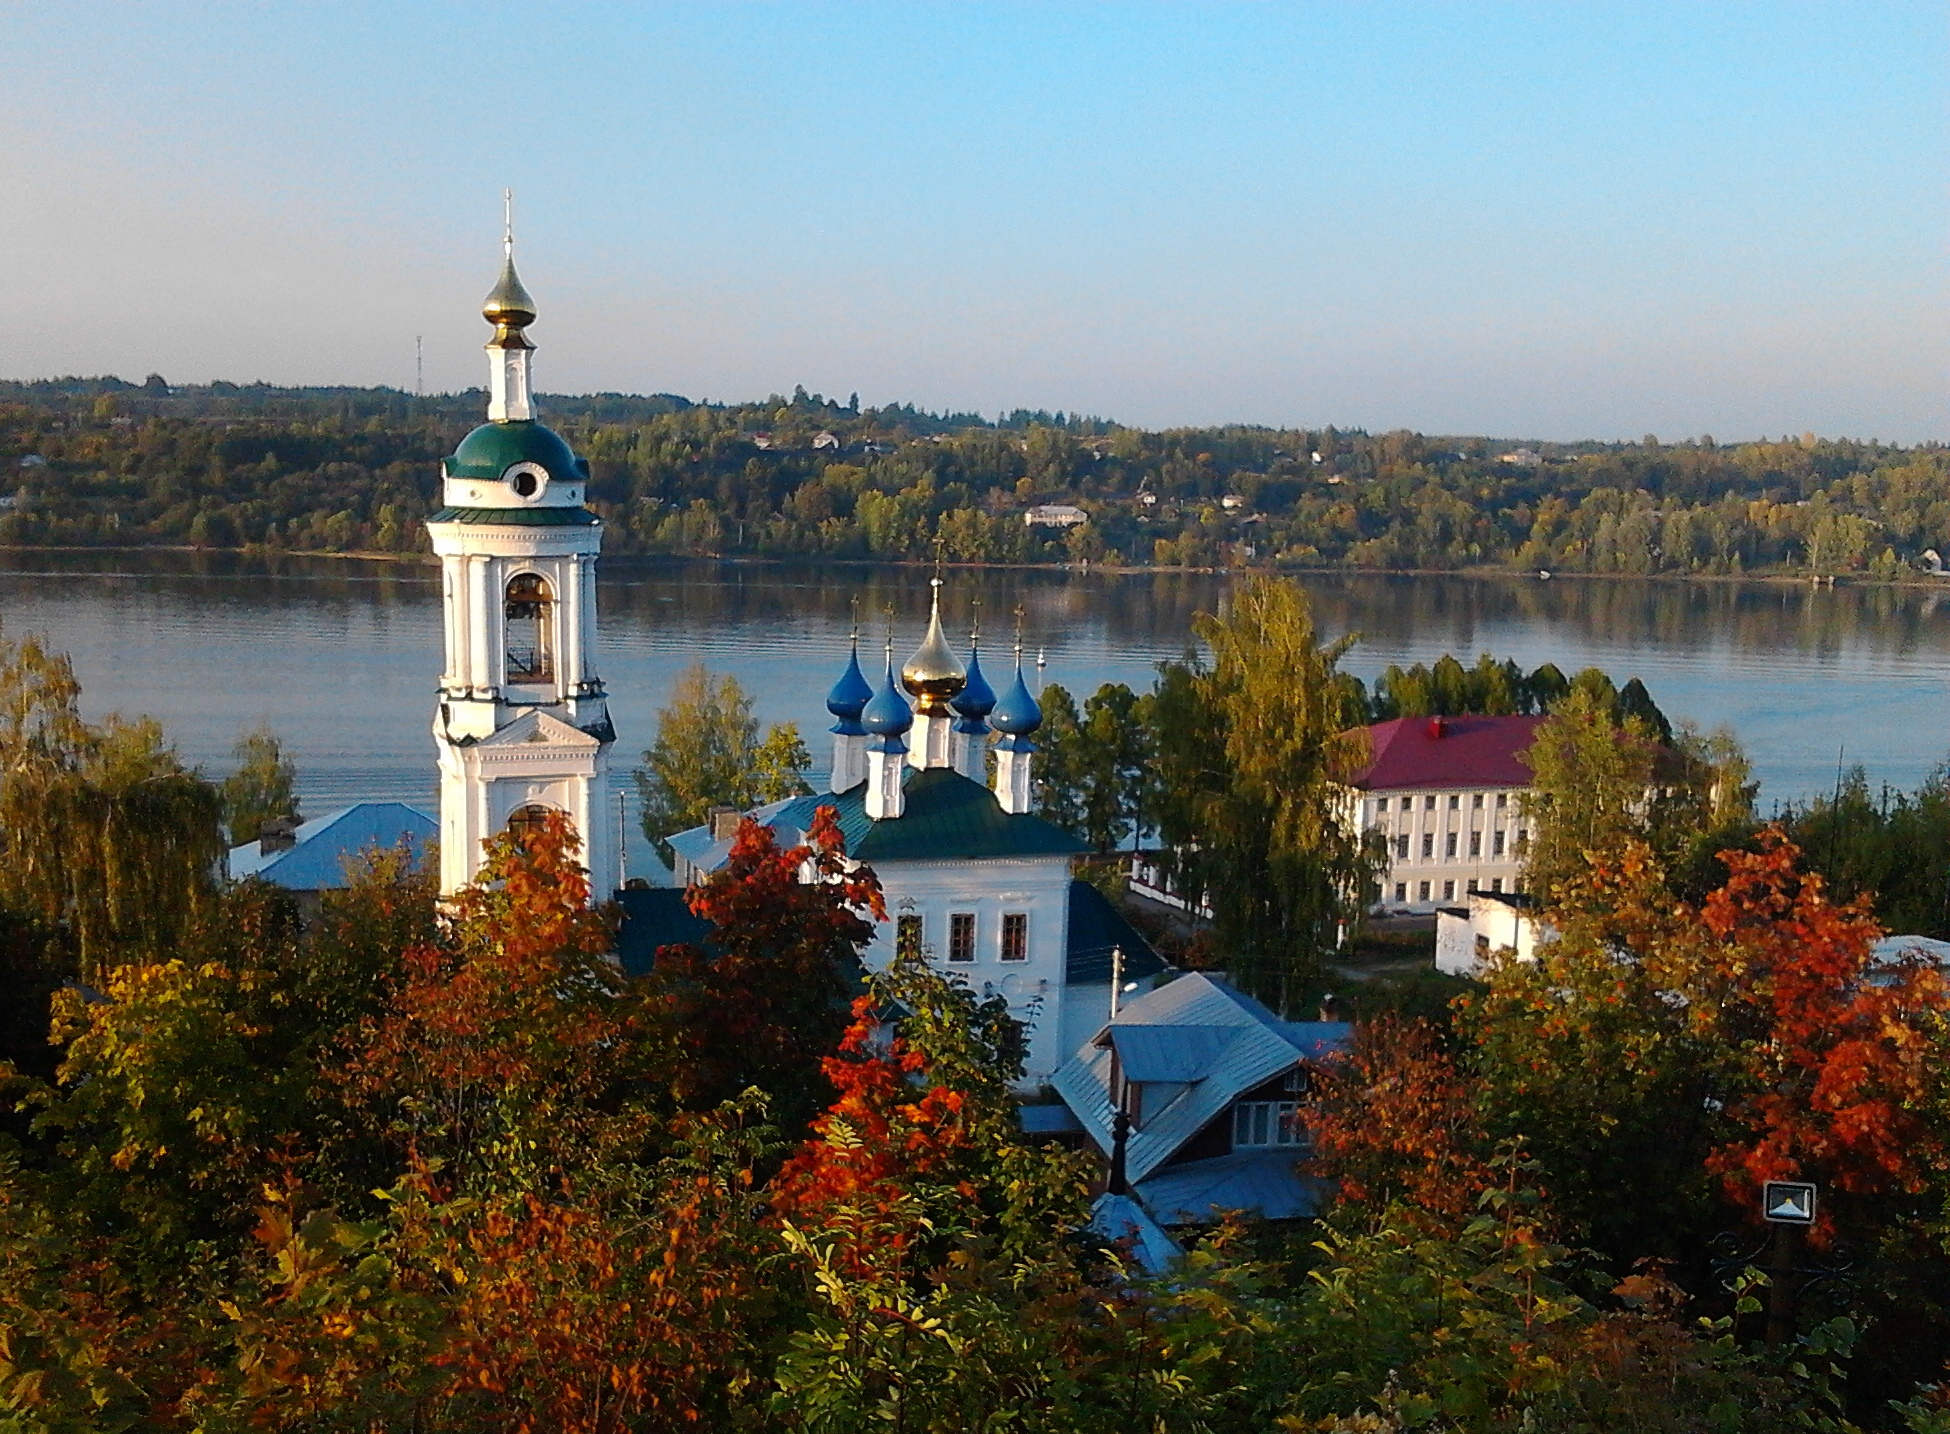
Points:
[(341, 655)]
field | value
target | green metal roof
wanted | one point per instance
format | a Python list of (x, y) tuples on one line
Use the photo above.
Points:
[(519, 517), (946, 818), (494, 448)]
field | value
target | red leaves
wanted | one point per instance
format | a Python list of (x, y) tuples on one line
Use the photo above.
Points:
[(771, 998), (506, 1022), (1836, 1048), (883, 1137), (1394, 1119)]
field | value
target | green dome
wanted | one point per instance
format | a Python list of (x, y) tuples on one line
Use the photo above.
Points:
[(494, 448)]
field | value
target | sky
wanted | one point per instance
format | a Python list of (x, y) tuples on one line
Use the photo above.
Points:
[(1547, 221)]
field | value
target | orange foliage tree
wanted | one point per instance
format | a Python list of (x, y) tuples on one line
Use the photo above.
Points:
[(1836, 1049), (504, 1045), (770, 997), (1393, 1119)]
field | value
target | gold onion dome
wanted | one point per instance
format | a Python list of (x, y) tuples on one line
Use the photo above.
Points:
[(508, 307), (934, 674)]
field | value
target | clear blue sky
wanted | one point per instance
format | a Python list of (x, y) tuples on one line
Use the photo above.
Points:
[(1551, 220)]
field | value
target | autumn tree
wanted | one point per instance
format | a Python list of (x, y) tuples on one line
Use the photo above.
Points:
[(708, 753), (1393, 1121), (263, 788), (112, 843), (1251, 753), (769, 996), (503, 1052)]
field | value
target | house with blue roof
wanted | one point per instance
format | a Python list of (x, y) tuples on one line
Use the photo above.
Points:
[(1206, 1083), (970, 872), (320, 854)]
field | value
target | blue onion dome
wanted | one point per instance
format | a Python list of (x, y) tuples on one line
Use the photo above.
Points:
[(1017, 714), (851, 693), (888, 714), (977, 699)]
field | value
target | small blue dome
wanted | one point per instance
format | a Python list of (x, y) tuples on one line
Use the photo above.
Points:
[(1017, 713), (888, 714), (850, 694), (977, 699)]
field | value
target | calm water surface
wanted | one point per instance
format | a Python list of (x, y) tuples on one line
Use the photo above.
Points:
[(340, 657)]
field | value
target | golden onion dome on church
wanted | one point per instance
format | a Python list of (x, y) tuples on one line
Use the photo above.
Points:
[(508, 307), (934, 674)]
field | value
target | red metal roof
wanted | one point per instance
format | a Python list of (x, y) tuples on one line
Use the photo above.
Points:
[(1447, 752)]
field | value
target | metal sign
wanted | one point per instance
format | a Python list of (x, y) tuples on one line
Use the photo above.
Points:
[(1788, 1202)]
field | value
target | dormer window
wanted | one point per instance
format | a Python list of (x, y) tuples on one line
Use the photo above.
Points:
[(530, 629), (1258, 1124)]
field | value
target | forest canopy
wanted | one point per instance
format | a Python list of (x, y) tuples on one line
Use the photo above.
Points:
[(103, 462)]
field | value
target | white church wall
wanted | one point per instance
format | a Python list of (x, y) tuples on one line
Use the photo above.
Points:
[(1038, 888)]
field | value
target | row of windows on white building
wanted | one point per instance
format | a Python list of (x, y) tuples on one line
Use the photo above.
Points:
[(1425, 890), (1012, 943), (1455, 839)]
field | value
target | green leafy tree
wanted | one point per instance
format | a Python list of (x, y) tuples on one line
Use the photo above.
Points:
[(112, 844), (1251, 753), (708, 753), (263, 788), (1092, 775)]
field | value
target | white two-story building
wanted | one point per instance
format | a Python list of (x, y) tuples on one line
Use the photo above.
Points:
[(1445, 795)]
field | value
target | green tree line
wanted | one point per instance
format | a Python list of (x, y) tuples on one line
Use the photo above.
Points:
[(87, 462)]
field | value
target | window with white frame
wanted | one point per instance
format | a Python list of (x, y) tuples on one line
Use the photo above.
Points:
[(961, 936), (1257, 1124), (1015, 936)]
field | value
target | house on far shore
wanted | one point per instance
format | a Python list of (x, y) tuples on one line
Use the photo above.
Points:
[(1055, 515), (319, 855), (1210, 1081), (1445, 793)]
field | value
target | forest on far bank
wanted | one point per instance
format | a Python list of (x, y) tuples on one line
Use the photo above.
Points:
[(99, 462)]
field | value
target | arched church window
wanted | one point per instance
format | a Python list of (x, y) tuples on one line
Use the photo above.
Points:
[(531, 629), (524, 822)]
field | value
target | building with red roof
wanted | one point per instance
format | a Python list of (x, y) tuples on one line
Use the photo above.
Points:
[(1445, 794)]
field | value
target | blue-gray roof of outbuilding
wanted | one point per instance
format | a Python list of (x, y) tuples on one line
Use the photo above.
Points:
[(1263, 1182), (1172, 1055), (325, 847), (1120, 1219), (654, 917), (1248, 1045)]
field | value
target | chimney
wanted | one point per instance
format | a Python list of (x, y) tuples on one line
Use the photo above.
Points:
[(1120, 1139), (724, 822), (1438, 727), (276, 834)]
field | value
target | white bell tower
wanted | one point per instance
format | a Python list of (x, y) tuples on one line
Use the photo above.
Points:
[(523, 724)]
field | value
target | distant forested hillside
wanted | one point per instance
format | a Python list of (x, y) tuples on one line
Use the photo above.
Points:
[(97, 462)]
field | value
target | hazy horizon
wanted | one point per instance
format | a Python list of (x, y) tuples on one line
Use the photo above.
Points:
[(1493, 219)]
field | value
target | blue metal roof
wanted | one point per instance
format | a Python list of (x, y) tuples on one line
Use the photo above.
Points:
[(653, 917), (327, 845), (1252, 1045), (1118, 1218), (1265, 1182), (1173, 1055)]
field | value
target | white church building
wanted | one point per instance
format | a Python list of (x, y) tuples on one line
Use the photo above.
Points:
[(522, 725), (968, 869)]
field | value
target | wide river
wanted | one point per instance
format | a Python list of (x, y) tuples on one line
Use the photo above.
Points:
[(340, 657)]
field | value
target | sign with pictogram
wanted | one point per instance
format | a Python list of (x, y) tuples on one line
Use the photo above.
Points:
[(1788, 1202)]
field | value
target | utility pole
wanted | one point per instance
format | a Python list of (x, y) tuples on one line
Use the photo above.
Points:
[(1116, 978), (419, 367)]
